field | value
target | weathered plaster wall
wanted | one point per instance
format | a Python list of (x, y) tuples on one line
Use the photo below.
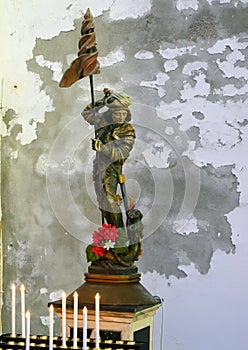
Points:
[(184, 65)]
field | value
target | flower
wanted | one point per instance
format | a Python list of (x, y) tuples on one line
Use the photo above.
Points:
[(109, 244), (106, 232), (106, 238), (98, 250)]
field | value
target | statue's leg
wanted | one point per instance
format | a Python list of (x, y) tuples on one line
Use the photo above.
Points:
[(113, 212)]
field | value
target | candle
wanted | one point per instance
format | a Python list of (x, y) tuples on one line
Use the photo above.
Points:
[(97, 318), (75, 320), (63, 320), (13, 316), (51, 309), (27, 330), (23, 309), (85, 328)]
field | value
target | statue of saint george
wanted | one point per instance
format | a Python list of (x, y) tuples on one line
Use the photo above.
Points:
[(114, 140)]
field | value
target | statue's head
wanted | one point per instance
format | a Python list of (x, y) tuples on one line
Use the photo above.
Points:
[(118, 104), (119, 115)]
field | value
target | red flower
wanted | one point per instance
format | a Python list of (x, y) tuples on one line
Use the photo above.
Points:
[(98, 239), (98, 250), (106, 233)]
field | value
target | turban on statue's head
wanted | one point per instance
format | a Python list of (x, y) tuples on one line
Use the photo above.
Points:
[(117, 100)]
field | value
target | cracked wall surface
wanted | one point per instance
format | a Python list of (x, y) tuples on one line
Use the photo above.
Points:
[(184, 63)]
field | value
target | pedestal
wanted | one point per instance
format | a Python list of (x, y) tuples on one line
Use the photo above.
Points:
[(136, 326), (127, 309)]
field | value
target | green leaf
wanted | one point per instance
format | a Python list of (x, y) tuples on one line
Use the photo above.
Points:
[(90, 255), (119, 250), (121, 241)]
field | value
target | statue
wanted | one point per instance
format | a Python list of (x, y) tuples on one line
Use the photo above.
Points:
[(115, 242), (114, 140), (113, 143)]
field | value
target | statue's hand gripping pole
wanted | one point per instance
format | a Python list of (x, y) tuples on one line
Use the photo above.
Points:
[(122, 180)]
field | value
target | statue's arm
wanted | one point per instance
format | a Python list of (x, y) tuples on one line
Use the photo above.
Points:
[(88, 112), (121, 144)]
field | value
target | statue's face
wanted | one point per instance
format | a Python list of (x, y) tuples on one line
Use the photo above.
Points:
[(119, 116)]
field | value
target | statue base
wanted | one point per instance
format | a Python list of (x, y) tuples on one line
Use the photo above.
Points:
[(112, 270), (126, 307), (119, 288)]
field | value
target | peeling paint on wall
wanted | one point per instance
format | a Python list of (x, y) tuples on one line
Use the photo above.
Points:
[(158, 84), (129, 9), (184, 65), (113, 57), (187, 4), (144, 55)]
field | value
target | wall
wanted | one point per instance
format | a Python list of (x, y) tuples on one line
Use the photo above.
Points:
[(184, 65)]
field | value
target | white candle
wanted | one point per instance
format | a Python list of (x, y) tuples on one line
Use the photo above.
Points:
[(63, 320), (23, 309), (51, 309), (75, 320), (13, 306), (27, 330), (85, 328), (97, 318)]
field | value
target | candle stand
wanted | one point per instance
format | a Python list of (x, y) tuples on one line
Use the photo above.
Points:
[(17, 342), (127, 309)]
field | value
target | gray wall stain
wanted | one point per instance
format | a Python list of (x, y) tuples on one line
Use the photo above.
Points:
[(218, 196)]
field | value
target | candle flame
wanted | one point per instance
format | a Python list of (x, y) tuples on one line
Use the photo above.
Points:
[(27, 314), (13, 287), (22, 287)]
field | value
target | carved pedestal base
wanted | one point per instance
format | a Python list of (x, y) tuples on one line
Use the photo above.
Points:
[(126, 307)]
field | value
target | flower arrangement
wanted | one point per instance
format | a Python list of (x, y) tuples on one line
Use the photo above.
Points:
[(107, 238)]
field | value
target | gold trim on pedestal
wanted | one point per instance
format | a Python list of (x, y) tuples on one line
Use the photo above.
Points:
[(100, 278)]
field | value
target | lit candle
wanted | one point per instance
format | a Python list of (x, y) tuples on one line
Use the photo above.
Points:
[(27, 330), (13, 316), (75, 323), (85, 328), (51, 309), (23, 309), (97, 316), (63, 320)]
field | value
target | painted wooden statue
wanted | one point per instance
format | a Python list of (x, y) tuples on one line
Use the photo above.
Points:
[(118, 240)]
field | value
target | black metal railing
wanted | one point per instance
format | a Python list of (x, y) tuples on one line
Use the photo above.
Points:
[(17, 342)]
